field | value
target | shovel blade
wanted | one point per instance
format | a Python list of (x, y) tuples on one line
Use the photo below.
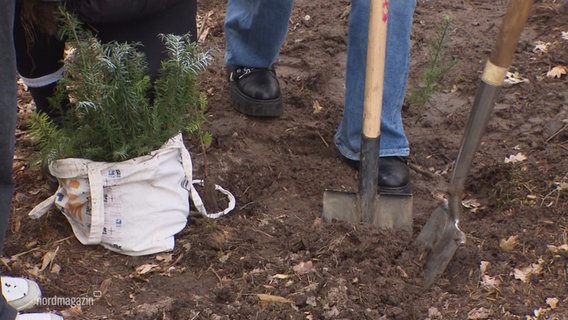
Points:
[(390, 211), (342, 206), (442, 253), (437, 222), (442, 236)]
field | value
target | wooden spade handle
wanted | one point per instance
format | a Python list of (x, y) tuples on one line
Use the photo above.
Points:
[(491, 81), (490, 84), (375, 69), (504, 48)]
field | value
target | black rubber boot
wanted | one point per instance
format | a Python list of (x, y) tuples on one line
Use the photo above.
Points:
[(255, 92), (41, 96), (394, 176)]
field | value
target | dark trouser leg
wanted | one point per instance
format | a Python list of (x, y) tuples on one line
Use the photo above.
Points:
[(178, 19), (39, 61), (8, 109), (41, 96)]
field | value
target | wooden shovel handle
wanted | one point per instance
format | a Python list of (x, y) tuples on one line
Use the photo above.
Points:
[(491, 81), (509, 34), (375, 69)]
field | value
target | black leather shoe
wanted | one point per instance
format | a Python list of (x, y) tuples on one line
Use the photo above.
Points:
[(41, 96), (394, 176), (255, 92)]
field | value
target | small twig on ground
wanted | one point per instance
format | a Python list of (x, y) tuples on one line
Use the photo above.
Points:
[(295, 216), (246, 205), (322, 139), (203, 30), (555, 201), (36, 248), (64, 239), (176, 261), (215, 273), (422, 171), (557, 133), (6, 265), (262, 232), (24, 253)]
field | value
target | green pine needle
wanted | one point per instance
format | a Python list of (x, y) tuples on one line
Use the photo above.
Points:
[(116, 112)]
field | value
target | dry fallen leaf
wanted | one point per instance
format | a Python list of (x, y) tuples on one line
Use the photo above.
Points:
[(433, 313), (560, 249), (105, 285), (48, 259), (515, 158), (509, 243), (72, 312), (146, 268), (490, 283), (317, 222), (479, 313), (304, 267), (34, 271), (557, 72), (271, 298), (483, 266), (5, 261), (472, 204), (561, 186), (55, 268), (552, 302), (164, 257), (317, 107), (524, 274), (512, 78), (538, 312), (280, 276), (224, 258), (312, 301), (564, 35), (541, 47)]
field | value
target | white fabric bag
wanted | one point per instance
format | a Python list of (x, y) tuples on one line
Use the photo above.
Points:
[(134, 207)]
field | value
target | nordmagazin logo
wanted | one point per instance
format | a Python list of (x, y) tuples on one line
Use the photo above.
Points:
[(68, 301)]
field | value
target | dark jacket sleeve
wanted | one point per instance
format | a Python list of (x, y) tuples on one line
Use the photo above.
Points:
[(109, 11)]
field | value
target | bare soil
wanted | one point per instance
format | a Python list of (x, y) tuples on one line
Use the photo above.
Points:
[(273, 258)]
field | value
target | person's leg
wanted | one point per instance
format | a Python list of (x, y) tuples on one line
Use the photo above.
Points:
[(28, 291), (8, 95), (40, 54), (255, 31), (39, 57), (394, 143), (178, 19), (393, 138)]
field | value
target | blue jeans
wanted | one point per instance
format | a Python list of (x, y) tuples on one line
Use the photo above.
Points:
[(256, 29), (8, 108)]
